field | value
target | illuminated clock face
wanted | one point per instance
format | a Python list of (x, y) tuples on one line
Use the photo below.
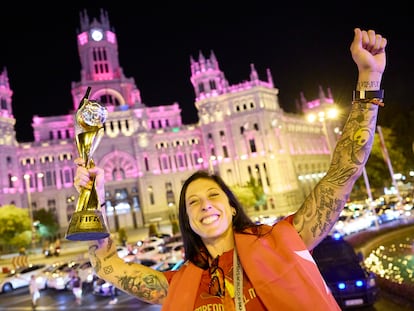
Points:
[(97, 34)]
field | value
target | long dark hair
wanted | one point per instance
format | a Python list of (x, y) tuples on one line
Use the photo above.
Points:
[(194, 248)]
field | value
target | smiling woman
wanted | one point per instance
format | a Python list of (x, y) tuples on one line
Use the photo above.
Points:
[(252, 258)]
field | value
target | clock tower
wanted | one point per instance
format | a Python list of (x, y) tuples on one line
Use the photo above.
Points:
[(98, 53)]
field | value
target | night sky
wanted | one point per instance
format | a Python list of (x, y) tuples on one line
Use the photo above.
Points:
[(304, 49)]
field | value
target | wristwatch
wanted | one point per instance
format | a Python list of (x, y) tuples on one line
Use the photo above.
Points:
[(361, 95)]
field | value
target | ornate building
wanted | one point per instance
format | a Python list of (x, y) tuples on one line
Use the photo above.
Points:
[(147, 152)]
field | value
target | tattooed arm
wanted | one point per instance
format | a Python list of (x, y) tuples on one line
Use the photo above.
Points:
[(321, 209), (142, 282)]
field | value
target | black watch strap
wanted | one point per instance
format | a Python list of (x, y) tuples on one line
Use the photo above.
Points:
[(358, 95)]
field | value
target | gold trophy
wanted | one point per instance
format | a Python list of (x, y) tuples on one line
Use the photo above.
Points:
[(87, 221)]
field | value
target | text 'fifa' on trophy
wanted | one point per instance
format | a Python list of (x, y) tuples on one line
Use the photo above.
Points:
[(87, 221)]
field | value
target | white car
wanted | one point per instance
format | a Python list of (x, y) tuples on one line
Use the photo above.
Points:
[(41, 276), (151, 241), (173, 250), (150, 252), (20, 277), (127, 253), (60, 277), (86, 271), (122, 251)]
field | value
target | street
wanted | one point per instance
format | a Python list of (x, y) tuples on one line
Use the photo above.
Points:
[(64, 300), (50, 299)]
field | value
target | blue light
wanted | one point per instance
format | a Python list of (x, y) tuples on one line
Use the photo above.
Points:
[(337, 236), (359, 283), (341, 286)]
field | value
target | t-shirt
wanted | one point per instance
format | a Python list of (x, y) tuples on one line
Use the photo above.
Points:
[(205, 301), (278, 263)]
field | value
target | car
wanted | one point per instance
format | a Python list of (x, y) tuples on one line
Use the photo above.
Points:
[(86, 271), (127, 253), (266, 219), (174, 238), (162, 235), (349, 224), (387, 213), (42, 276), (174, 249), (149, 252), (20, 277), (350, 282), (122, 251), (60, 278), (151, 241)]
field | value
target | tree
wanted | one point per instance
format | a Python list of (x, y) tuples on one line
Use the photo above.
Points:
[(122, 236), (377, 168), (245, 196), (15, 228), (258, 192), (175, 226), (400, 120), (152, 229), (46, 224), (251, 196)]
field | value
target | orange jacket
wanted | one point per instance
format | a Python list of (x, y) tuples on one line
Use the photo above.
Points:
[(281, 269)]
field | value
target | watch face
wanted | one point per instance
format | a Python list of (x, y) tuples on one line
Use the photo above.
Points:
[(97, 34)]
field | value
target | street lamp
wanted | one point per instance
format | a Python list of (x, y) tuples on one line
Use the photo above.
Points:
[(29, 203), (210, 164), (213, 163), (322, 116), (26, 178)]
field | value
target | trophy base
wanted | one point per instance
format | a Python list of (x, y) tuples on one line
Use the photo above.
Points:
[(87, 225), (86, 236)]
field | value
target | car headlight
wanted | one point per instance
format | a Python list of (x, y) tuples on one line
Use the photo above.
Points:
[(359, 283), (341, 285)]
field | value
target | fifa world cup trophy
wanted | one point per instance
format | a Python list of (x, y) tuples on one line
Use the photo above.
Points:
[(87, 221)]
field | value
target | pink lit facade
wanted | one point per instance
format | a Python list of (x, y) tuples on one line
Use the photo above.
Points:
[(147, 152)]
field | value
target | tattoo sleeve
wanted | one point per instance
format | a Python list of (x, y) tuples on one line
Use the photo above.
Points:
[(135, 279), (321, 209)]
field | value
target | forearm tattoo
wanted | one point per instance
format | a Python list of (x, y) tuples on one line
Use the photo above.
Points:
[(144, 286), (368, 85), (138, 282), (322, 207)]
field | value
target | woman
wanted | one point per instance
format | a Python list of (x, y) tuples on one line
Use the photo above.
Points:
[(34, 291), (233, 264), (76, 284)]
